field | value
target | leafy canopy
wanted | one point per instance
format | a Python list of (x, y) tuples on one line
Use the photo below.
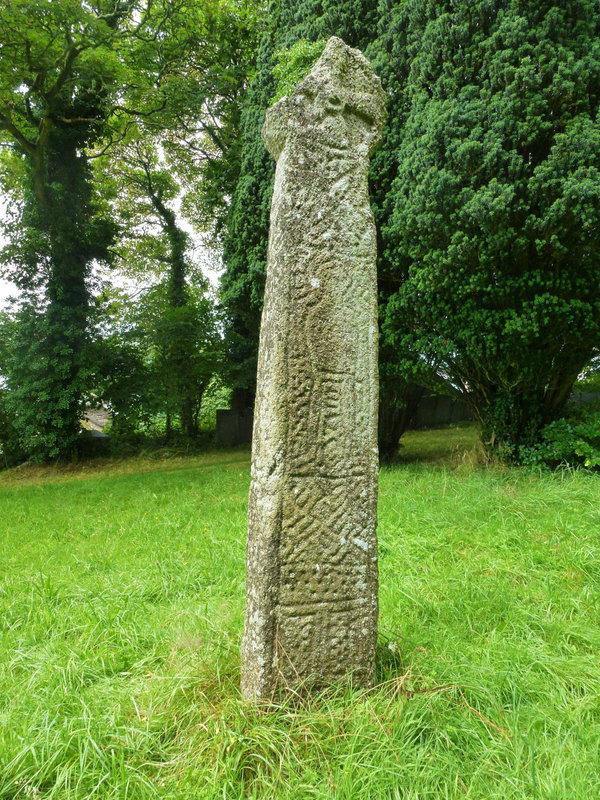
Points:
[(490, 226)]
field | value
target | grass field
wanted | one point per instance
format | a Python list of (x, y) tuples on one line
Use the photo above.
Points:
[(121, 612)]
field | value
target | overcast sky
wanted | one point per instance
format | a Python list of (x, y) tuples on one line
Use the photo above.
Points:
[(6, 289)]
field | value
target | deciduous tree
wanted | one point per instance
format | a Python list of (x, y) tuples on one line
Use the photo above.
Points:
[(74, 78)]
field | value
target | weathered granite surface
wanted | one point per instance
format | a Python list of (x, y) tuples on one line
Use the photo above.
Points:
[(311, 613)]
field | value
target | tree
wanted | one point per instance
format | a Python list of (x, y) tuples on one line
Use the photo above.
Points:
[(10, 452), (50, 119), (136, 350), (246, 233), (485, 192), (188, 350), (58, 86), (290, 46), (74, 78), (202, 144), (490, 229), (144, 198)]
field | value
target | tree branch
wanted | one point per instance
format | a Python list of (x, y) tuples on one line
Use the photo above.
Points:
[(65, 73), (7, 125)]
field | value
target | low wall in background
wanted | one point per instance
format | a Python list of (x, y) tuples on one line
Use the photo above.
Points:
[(580, 399), (233, 427), (434, 411)]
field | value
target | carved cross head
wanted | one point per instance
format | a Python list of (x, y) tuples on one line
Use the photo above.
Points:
[(339, 107)]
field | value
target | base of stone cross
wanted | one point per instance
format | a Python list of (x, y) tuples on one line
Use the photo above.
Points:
[(311, 563)]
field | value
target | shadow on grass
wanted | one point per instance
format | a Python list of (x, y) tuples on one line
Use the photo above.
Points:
[(451, 445)]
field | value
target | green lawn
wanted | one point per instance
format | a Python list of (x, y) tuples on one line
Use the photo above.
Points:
[(121, 612)]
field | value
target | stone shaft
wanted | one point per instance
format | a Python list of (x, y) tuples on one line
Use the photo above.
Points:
[(311, 562)]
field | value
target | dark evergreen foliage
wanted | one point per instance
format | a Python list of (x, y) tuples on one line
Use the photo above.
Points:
[(486, 196), (490, 219), (246, 233), (245, 241)]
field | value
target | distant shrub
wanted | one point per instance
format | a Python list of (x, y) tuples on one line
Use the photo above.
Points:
[(10, 450), (571, 441)]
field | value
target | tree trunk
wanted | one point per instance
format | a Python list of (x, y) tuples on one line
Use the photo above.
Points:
[(179, 354), (396, 411), (512, 421), (51, 381)]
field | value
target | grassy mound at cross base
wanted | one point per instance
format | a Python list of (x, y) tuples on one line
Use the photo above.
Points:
[(121, 609)]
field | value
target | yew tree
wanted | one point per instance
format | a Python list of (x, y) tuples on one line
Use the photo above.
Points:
[(490, 220), (293, 39)]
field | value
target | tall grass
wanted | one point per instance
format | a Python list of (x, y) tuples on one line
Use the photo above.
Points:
[(121, 610)]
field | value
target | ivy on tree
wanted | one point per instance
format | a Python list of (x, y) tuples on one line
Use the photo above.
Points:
[(73, 78)]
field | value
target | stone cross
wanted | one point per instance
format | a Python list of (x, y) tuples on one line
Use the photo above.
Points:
[(311, 561)]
